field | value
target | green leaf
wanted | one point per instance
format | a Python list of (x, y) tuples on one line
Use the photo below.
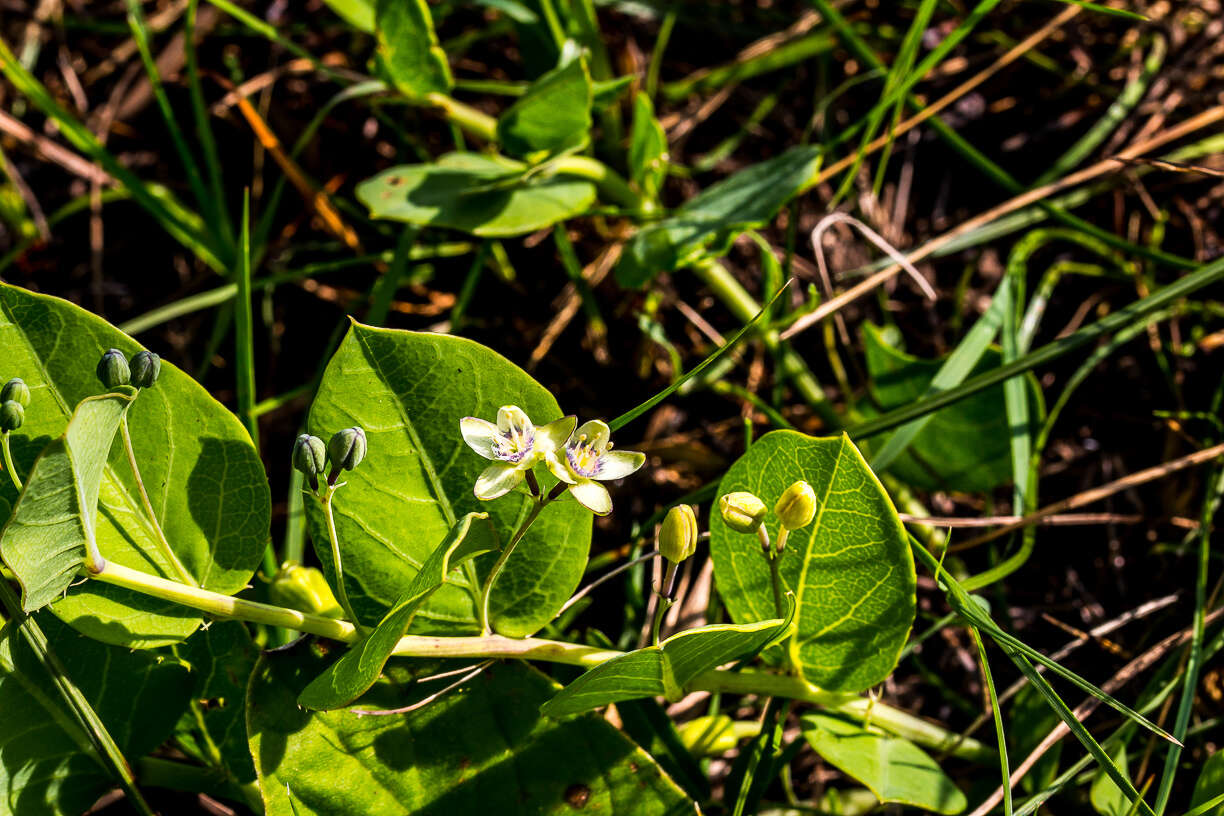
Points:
[(552, 117), (50, 536), (1106, 797), (479, 750), (710, 222), (647, 148), (892, 768), (476, 194), (205, 480), (355, 672), (221, 659), (667, 669), (357, 13), (46, 765), (965, 446), (851, 569), (409, 48), (1210, 784), (409, 390)]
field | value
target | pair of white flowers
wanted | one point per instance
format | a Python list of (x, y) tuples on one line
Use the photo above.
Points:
[(579, 457)]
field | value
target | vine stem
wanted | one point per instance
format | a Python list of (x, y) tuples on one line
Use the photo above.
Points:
[(575, 654), (341, 593), (666, 600), (162, 543), (8, 461), (487, 589)]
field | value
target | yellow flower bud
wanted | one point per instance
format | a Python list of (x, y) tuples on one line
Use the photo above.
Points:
[(304, 589), (677, 538), (743, 512), (797, 506)]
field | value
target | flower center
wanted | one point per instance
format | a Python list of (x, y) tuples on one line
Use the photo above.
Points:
[(584, 459), (514, 444)]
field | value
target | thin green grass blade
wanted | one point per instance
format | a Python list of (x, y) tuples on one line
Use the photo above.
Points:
[(1099, 9), (204, 133), (164, 208), (244, 334), (633, 413), (1015, 392), (1081, 733), (140, 35), (997, 716), (1206, 807), (1102, 328), (956, 368)]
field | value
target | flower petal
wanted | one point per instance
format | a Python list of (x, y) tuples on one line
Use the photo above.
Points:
[(497, 480), (510, 417), (554, 435), (597, 433), (593, 496), (617, 464), (481, 436), (556, 461)]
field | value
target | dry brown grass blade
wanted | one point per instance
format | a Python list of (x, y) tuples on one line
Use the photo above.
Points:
[(1097, 493), (318, 199), (1062, 520), (1202, 120)]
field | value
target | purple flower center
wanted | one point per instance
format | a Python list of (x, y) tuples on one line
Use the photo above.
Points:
[(515, 444), (584, 459)]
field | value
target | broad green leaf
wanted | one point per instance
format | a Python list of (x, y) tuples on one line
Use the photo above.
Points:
[(892, 768), (408, 48), (476, 194), (851, 569), (1210, 784), (355, 672), (481, 749), (965, 446), (50, 536), (552, 117), (409, 390), (667, 669), (204, 478), (357, 13), (46, 764), (709, 222), (1106, 797), (221, 659), (647, 148)]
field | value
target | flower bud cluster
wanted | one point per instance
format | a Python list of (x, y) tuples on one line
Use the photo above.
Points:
[(345, 450), (14, 399), (744, 512), (141, 371)]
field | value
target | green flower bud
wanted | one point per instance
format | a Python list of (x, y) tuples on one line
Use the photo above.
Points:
[(12, 415), (677, 538), (17, 391), (113, 369), (145, 366), (310, 457), (797, 506), (304, 589), (347, 448), (743, 512)]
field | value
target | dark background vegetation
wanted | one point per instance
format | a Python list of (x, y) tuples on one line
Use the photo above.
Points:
[(114, 261)]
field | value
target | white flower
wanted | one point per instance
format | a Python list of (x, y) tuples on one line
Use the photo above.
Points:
[(514, 445), (588, 459)]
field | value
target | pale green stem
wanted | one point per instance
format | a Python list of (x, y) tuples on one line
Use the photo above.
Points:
[(553, 651), (772, 558), (465, 116), (665, 601), (8, 461), (487, 589), (612, 186), (162, 543), (341, 593)]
